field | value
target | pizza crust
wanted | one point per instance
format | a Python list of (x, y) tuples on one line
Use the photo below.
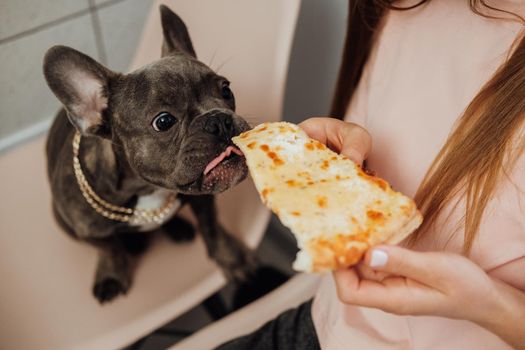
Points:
[(335, 210)]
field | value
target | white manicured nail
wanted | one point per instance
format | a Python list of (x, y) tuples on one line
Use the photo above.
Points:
[(379, 258)]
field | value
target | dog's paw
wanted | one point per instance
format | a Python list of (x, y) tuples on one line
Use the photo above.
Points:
[(135, 243), (179, 230), (108, 289)]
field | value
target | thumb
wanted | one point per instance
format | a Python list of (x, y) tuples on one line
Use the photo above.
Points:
[(424, 267), (349, 139), (355, 148)]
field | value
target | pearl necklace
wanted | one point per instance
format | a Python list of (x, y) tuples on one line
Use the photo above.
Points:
[(114, 212)]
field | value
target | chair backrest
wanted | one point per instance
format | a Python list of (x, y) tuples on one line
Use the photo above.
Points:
[(45, 301), (248, 41)]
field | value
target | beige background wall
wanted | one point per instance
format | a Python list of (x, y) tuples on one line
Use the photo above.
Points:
[(109, 30)]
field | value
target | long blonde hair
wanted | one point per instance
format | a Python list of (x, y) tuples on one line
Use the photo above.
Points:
[(484, 145)]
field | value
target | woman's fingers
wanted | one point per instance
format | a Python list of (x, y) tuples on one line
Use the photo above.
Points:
[(356, 142), (366, 272), (393, 294), (356, 291), (420, 283), (349, 139), (425, 267)]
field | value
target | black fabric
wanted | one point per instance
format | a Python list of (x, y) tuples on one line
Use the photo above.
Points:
[(293, 329)]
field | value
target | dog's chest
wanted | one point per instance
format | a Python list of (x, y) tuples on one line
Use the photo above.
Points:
[(154, 201)]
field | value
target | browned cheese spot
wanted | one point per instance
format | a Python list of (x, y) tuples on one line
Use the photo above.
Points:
[(309, 146), (251, 145), (284, 128), (333, 253), (322, 201), (325, 165), (275, 158), (296, 213), (380, 182), (319, 145), (406, 210), (375, 216), (291, 183), (265, 148), (264, 192)]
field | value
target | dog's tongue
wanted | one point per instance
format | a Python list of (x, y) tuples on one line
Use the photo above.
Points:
[(220, 158)]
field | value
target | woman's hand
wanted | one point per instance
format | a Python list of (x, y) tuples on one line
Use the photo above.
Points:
[(405, 282), (349, 139), (417, 283)]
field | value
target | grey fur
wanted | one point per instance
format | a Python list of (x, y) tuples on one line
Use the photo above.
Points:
[(123, 157)]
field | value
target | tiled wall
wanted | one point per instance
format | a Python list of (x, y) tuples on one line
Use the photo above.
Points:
[(107, 30)]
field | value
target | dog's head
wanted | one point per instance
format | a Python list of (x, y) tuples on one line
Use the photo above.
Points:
[(173, 119)]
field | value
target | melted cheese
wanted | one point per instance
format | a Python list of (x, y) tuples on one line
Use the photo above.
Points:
[(334, 209)]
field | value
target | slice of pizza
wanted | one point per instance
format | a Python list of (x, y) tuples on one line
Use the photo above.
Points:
[(335, 210)]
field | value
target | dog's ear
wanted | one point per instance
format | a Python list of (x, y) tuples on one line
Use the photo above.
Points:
[(81, 84), (176, 36)]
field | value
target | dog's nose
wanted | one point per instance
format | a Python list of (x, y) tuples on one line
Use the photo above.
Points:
[(219, 124)]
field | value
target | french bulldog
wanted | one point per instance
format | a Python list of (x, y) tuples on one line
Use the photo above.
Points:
[(158, 137)]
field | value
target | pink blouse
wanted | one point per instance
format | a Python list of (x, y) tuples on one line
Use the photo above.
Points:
[(427, 65)]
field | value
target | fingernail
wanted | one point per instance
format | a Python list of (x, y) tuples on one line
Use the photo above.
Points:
[(378, 258)]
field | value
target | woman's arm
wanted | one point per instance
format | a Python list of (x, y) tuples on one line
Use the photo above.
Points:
[(510, 326)]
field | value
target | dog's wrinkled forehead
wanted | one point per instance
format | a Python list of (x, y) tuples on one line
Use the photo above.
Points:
[(178, 65), (177, 81)]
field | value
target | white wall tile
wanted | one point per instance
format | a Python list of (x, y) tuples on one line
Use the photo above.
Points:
[(121, 26), (24, 95), (20, 15)]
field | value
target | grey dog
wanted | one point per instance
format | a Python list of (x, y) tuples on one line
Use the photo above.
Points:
[(159, 132)]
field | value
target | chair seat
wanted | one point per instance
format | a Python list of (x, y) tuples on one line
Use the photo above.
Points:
[(46, 277)]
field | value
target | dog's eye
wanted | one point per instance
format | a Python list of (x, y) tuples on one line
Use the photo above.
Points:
[(225, 91), (163, 121)]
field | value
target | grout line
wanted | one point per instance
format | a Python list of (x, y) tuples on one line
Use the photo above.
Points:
[(45, 26), (97, 30), (54, 22), (108, 3)]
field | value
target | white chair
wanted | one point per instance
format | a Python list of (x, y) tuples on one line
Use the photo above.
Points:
[(297, 290), (45, 277)]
